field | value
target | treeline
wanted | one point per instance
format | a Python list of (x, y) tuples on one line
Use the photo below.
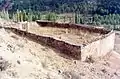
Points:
[(101, 7), (111, 21), (20, 16)]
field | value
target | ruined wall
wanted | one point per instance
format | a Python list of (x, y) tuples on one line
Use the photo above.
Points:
[(66, 48), (98, 48), (73, 26)]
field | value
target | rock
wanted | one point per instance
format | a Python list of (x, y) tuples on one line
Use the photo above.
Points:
[(59, 71), (18, 62), (3, 64), (104, 71)]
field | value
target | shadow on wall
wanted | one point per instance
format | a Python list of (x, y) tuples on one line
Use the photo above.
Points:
[(63, 49)]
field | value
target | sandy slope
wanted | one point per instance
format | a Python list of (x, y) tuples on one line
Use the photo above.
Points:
[(30, 60)]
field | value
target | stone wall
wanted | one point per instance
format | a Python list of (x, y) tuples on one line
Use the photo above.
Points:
[(65, 48), (98, 48), (73, 26)]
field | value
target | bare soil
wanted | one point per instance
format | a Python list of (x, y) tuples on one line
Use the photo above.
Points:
[(24, 59), (73, 36), (29, 60)]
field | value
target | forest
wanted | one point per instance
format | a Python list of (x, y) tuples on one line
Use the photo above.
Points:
[(101, 12), (101, 7)]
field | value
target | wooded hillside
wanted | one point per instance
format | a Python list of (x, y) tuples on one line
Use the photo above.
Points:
[(101, 7)]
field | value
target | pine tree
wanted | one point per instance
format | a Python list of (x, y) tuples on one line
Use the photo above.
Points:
[(51, 17), (18, 16)]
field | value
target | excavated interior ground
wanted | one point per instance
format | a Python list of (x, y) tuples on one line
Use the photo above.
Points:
[(69, 35)]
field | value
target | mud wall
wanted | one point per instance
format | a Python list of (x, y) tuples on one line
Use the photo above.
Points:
[(98, 48), (65, 48), (73, 26)]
